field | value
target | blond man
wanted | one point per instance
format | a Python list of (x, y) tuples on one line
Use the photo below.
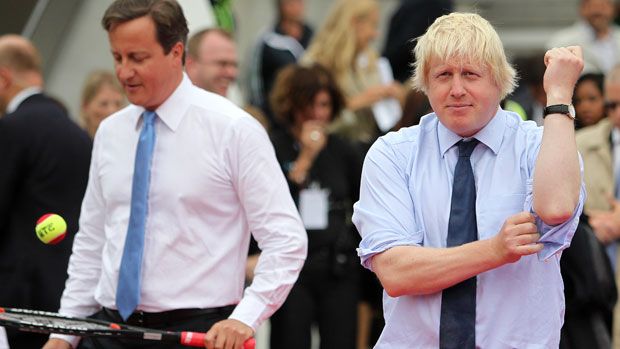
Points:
[(463, 217)]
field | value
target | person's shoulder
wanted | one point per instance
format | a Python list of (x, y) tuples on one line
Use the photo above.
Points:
[(220, 112), (407, 140), (567, 36), (522, 129), (514, 122), (211, 105), (39, 112), (39, 105), (593, 136)]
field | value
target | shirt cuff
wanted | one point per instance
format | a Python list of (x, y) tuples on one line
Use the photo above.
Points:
[(366, 253), (73, 340), (250, 311), (557, 238)]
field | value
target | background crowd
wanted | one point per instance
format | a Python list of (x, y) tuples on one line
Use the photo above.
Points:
[(324, 92)]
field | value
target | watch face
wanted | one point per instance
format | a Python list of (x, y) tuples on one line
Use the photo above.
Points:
[(571, 111)]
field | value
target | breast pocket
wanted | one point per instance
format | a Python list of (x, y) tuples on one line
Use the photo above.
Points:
[(493, 212)]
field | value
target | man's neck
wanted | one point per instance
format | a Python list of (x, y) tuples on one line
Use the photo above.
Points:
[(17, 95), (602, 34)]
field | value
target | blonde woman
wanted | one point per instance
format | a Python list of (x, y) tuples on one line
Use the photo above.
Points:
[(342, 45), (102, 95)]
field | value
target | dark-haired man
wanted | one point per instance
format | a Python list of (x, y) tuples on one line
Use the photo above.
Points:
[(168, 251), (282, 45), (596, 33)]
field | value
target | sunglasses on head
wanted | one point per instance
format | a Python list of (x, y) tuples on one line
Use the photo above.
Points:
[(611, 105)]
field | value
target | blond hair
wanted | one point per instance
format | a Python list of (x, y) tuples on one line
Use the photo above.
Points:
[(335, 46), (467, 37), (95, 81), (19, 54)]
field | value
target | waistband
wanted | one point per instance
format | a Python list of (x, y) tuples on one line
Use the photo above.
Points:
[(142, 318)]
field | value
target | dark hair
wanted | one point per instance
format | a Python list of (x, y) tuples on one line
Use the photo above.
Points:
[(170, 23), (597, 78), (295, 88), (193, 44)]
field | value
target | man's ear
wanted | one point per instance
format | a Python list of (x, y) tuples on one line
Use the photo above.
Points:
[(177, 50), (6, 78)]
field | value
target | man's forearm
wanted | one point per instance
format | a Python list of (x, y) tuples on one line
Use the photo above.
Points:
[(557, 176), (414, 270)]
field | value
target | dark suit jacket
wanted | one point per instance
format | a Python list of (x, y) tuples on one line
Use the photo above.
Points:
[(44, 161)]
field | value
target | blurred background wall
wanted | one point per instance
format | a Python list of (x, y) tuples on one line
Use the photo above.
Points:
[(72, 42)]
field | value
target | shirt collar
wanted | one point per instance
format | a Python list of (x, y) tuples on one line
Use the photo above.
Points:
[(173, 109), (20, 97), (491, 134)]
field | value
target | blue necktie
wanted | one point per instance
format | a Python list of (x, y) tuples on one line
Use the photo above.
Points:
[(128, 291), (457, 327)]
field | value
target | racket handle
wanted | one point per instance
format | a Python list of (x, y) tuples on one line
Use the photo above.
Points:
[(197, 339), (249, 344)]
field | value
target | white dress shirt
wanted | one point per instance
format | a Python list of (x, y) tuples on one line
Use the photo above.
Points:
[(214, 179)]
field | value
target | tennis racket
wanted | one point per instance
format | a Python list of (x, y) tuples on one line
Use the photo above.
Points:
[(46, 322)]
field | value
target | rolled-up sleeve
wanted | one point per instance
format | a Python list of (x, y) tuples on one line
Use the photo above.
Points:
[(556, 238), (384, 214)]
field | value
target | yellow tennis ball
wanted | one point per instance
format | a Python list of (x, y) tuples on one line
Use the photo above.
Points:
[(51, 228)]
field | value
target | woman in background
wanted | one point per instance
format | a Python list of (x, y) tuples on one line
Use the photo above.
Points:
[(323, 173), (102, 96), (342, 45), (588, 100)]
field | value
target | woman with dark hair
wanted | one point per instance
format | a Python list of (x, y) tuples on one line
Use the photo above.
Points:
[(323, 172), (589, 100)]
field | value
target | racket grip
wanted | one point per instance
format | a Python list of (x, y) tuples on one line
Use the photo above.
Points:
[(193, 339), (197, 339), (249, 344)]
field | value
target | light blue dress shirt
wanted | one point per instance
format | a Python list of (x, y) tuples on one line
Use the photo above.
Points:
[(405, 201)]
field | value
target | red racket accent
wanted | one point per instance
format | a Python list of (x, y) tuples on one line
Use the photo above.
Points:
[(197, 339)]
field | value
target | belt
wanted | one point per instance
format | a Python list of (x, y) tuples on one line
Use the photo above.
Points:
[(142, 318)]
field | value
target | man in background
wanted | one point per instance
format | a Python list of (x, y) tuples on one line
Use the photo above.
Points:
[(596, 33), (212, 62), (45, 158), (284, 44)]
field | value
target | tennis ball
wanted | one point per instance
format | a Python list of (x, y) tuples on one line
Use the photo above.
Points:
[(51, 228)]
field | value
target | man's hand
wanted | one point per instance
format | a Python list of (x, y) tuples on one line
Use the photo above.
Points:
[(517, 238), (606, 224), (228, 334), (55, 343), (564, 66)]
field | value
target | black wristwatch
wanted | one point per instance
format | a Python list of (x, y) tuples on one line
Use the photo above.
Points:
[(566, 109)]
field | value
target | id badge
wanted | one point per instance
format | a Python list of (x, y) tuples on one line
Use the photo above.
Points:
[(314, 207)]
